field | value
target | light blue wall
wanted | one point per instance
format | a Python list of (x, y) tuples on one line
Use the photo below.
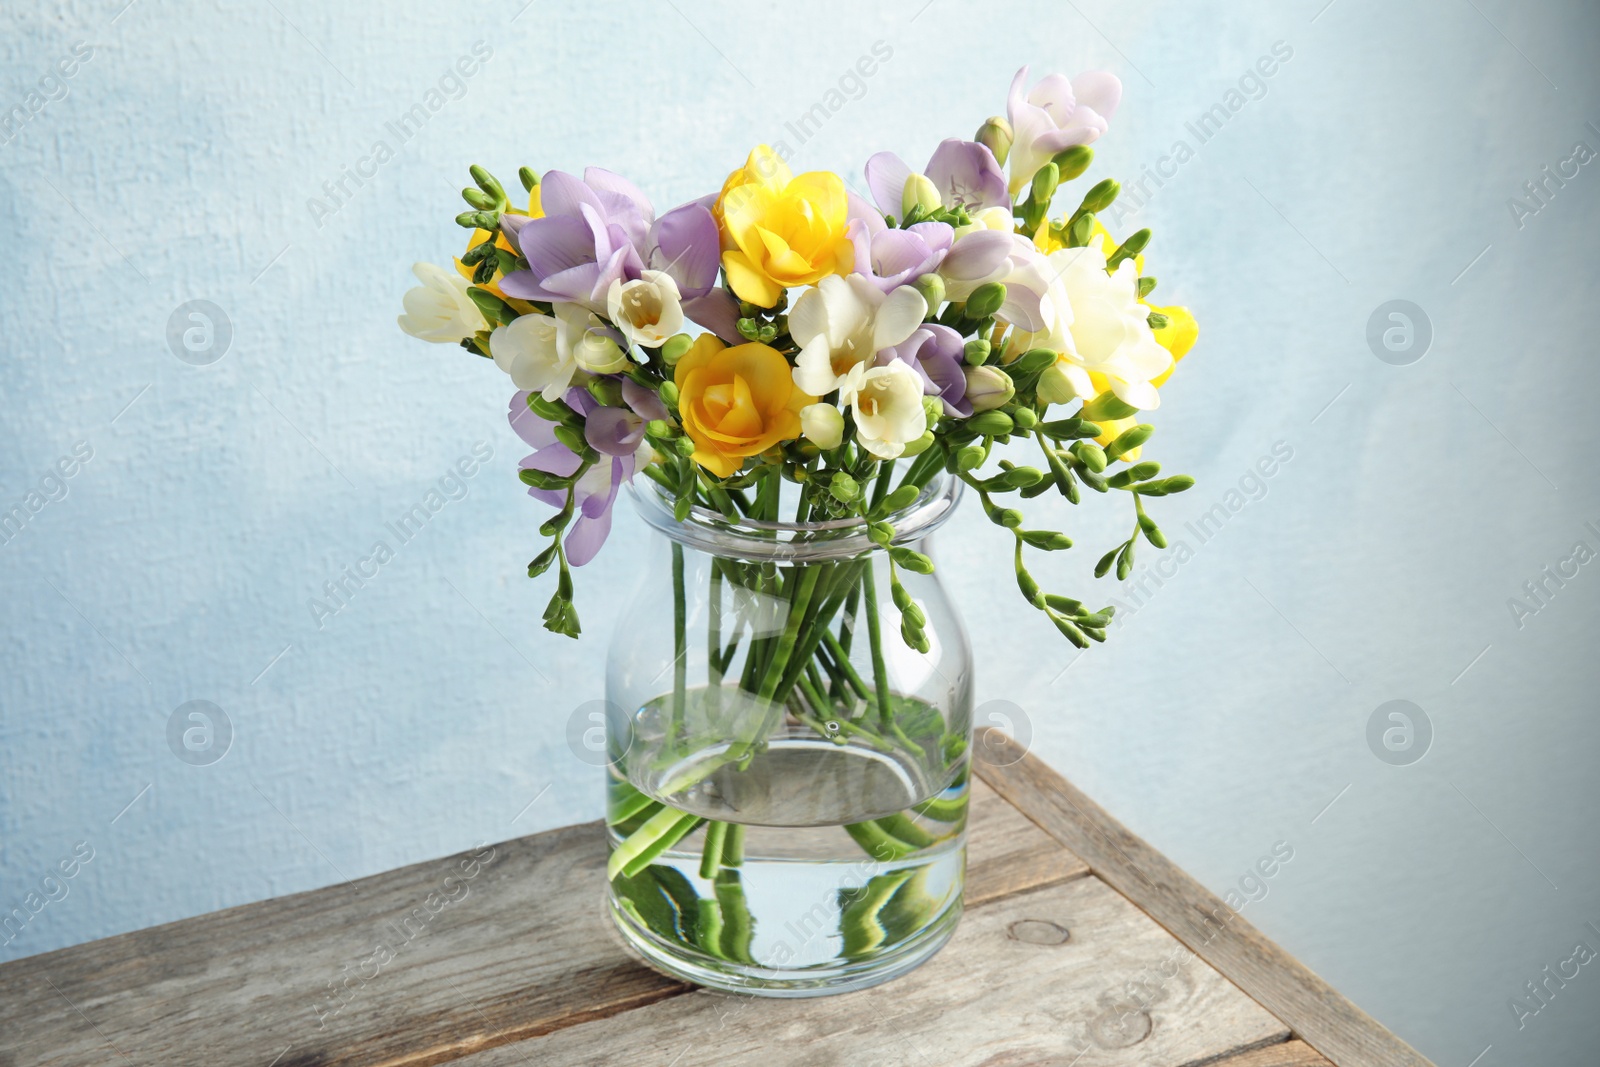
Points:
[(1230, 708)]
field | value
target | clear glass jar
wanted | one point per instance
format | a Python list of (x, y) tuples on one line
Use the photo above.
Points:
[(788, 776)]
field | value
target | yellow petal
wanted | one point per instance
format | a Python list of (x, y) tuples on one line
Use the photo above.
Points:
[(1177, 336), (748, 282)]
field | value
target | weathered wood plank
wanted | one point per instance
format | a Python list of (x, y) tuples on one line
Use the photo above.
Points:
[(1314, 1010), (1285, 1054), (1071, 974), (517, 948)]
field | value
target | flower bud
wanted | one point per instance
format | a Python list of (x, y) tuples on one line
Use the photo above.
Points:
[(996, 135), (1045, 181), (1026, 418), (988, 387), (674, 348), (822, 425), (1100, 197), (529, 178), (608, 391), (920, 445), (993, 423), (920, 192), (986, 299), (976, 352), (1072, 162), (668, 394), (844, 488), (931, 286), (933, 409)]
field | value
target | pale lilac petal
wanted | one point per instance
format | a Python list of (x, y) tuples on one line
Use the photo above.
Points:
[(887, 175), (858, 210), (718, 312), (1053, 95), (938, 235), (587, 535), (535, 430), (511, 226), (1099, 90), (562, 194), (580, 400), (898, 251), (614, 431), (552, 245), (606, 182), (524, 285), (977, 255), (685, 244), (966, 173), (555, 459), (644, 402)]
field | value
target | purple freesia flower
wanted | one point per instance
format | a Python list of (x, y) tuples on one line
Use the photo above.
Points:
[(965, 173), (618, 431), (603, 229), (892, 258), (595, 491), (935, 352), (1055, 114)]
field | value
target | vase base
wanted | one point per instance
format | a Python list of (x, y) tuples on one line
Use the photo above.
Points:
[(820, 980)]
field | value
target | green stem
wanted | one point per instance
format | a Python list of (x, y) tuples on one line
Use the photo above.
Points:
[(841, 658), (874, 634), (680, 645), (711, 853), (660, 832)]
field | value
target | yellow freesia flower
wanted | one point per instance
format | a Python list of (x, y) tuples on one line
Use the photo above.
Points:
[(536, 211), (736, 402), (779, 230), (1177, 337)]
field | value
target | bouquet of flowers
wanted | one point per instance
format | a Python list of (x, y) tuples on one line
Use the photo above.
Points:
[(783, 353), (951, 314)]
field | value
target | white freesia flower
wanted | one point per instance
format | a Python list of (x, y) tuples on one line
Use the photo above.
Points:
[(439, 309), (843, 322), (822, 425), (647, 310), (888, 408), (543, 353), (1096, 325)]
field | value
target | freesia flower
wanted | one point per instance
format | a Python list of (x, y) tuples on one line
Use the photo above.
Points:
[(1056, 114), (543, 353), (647, 309), (988, 388), (439, 309), (1097, 326), (784, 231), (935, 353), (887, 403), (588, 234), (964, 173), (892, 258), (594, 492), (843, 323), (620, 431), (1000, 256), (735, 402), (822, 425)]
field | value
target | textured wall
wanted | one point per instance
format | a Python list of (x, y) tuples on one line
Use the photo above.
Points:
[(211, 498)]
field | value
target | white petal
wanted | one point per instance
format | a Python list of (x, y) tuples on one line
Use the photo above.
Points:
[(813, 368), (1141, 395), (898, 317), (808, 318)]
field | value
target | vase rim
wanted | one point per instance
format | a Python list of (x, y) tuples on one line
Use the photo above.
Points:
[(709, 531)]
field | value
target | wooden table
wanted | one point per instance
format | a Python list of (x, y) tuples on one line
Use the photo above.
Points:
[(1081, 946)]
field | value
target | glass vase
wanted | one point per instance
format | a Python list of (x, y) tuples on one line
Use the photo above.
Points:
[(788, 775)]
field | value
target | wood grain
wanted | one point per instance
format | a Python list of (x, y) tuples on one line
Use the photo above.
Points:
[(524, 948), (1068, 975), (1286, 1054), (1314, 1010)]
